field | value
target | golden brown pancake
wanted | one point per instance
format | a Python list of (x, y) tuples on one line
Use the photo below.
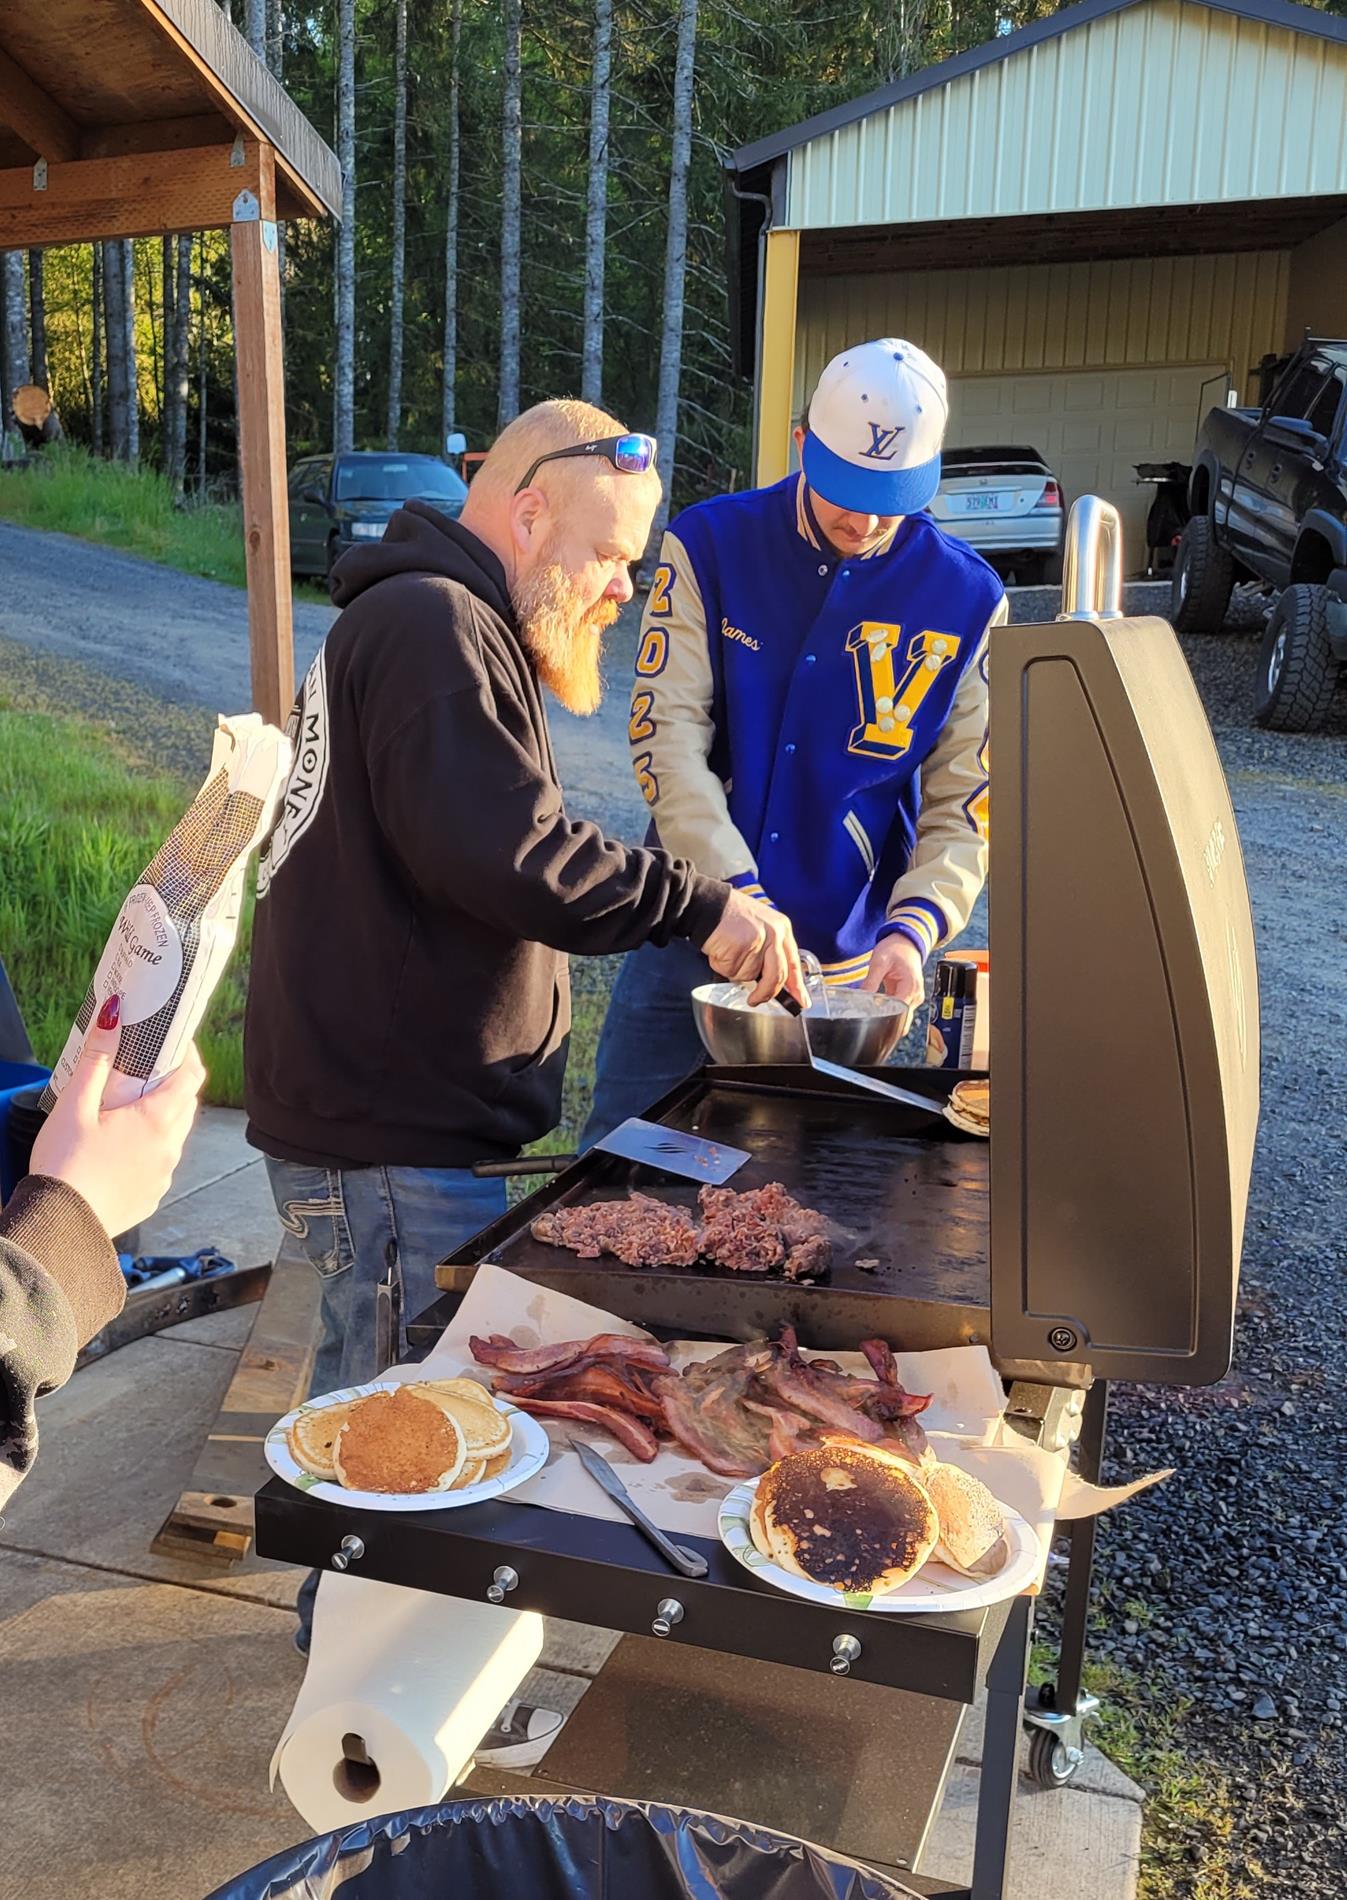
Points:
[(970, 1107), (396, 1441), (854, 1517), (472, 1409), (313, 1436)]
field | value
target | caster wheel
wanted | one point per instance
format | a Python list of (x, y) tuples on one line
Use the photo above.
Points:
[(1051, 1763)]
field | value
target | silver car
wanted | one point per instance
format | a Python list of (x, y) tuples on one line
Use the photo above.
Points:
[(1006, 503)]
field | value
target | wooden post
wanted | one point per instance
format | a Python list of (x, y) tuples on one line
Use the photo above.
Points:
[(261, 416)]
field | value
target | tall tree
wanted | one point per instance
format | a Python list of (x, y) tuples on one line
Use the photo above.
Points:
[(399, 261), (675, 256), (449, 374), (179, 374), (96, 352), (168, 414), (276, 61), (343, 406), (128, 250), (255, 26), (512, 150), (203, 385), (114, 331), (596, 204), (15, 368), (37, 305)]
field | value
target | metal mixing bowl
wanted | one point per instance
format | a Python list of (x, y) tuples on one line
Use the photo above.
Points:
[(734, 1034)]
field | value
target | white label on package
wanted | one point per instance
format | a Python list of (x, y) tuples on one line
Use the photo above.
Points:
[(143, 958)]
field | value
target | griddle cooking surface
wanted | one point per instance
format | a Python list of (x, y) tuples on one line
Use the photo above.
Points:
[(905, 1192)]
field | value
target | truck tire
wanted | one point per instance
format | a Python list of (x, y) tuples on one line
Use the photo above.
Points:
[(1202, 581), (1297, 670)]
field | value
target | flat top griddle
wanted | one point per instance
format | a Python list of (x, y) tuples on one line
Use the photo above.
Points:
[(904, 1192)]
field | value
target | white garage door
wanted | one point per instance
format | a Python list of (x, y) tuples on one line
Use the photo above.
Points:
[(1092, 427)]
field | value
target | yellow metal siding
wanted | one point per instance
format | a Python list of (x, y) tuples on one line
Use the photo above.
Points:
[(1127, 313), (1167, 102), (776, 370)]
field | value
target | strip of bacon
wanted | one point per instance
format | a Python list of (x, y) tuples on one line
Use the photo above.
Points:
[(602, 1385), (628, 1431), (529, 1359)]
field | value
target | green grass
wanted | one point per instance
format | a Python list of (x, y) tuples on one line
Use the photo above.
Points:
[(70, 491), (79, 821), (119, 507)]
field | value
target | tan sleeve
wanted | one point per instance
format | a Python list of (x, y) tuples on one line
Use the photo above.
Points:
[(672, 731), (934, 898)]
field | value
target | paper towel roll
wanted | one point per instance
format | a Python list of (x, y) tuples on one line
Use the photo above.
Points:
[(400, 1688)]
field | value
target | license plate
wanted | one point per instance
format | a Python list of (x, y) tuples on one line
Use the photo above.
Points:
[(975, 504)]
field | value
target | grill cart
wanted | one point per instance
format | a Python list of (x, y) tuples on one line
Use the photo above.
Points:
[(1096, 1237)]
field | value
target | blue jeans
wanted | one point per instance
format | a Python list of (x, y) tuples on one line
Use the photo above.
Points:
[(353, 1224), (649, 1041)]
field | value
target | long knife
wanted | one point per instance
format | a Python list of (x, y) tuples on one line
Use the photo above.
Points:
[(598, 1467)]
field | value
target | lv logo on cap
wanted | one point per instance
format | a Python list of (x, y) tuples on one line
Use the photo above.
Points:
[(883, 443)]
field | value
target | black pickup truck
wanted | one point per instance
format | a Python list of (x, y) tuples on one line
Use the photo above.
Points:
[(1268, 496)]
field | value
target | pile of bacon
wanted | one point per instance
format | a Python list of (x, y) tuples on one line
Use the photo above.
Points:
[(764, 1230), (736, 1414)]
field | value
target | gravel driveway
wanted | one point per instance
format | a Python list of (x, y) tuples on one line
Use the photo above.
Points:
[(1224, 1594)]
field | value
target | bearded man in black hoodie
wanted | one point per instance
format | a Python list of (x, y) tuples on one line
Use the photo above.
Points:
[(409, 1007)]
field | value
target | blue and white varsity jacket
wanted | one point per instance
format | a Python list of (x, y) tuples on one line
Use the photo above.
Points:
[(813, 727)]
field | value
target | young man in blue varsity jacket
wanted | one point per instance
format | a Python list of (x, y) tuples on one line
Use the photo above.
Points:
[(809, 714)]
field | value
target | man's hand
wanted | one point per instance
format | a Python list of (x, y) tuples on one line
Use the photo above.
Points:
[(755, 944), (896, 969)]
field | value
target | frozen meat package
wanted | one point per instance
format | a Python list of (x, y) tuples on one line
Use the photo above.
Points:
[(173, 935)]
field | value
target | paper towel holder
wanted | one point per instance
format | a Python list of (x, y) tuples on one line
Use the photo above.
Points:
[(356, 1777)]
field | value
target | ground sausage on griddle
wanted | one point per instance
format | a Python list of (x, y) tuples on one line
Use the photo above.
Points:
[(759, 1230), (640, 1232)]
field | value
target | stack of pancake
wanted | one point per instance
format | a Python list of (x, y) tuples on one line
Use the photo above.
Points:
[(434, 1435), (970, 1107), (864, 1519)]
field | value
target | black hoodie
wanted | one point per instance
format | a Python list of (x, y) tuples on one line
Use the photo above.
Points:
[(409, 1002)]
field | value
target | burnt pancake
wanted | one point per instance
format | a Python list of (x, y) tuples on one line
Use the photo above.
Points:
[(851, 1516)]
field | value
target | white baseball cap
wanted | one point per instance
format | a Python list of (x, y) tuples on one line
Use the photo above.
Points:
[(876, 423)]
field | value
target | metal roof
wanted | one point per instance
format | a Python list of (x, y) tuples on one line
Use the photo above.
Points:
[(1275, 13)]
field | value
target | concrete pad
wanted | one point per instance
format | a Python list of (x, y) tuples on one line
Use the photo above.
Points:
[(139, 1721), (215, 1148), (1096, 1774), (226, 1332), (118, 1446), (235, 1214), (1062, 1842)]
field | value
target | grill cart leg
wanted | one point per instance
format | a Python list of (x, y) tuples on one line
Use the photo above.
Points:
[(1056, 1717), (1000, 1755)]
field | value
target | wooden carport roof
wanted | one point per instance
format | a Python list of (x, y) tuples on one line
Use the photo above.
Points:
[(126, 118)]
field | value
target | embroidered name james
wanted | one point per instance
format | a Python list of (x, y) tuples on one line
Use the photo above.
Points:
[(738, 635)]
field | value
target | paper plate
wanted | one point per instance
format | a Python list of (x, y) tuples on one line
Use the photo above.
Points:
[(529, 1447), (934, 1589)]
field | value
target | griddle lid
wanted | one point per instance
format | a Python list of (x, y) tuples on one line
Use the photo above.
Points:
[(1124, 1041)]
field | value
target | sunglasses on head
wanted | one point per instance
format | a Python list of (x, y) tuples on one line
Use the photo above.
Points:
[(631, 454)]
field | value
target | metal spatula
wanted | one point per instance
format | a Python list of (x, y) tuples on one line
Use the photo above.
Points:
[(818, 991)]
